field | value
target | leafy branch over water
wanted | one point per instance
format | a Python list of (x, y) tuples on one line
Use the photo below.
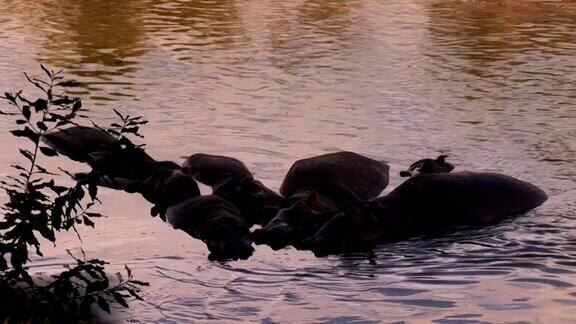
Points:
[(37, 208)]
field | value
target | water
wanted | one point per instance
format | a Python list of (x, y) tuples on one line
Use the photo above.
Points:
[(492, 83)]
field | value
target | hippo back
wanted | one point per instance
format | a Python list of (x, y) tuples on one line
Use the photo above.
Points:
[(213, 170), (363, 177), (462, 198), (78, 142)]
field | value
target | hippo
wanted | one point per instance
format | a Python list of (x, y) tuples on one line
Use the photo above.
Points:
[(166, 187), (217, 223), (315, 188), (256, 202), (119, 163), (231, 180), (427, 166), (79, 142), (214, 170), (427, 204)]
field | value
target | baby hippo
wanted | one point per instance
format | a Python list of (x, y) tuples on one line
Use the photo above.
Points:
[(232, 180), (427, 166), (315, 188), (426, 204), (217, 223)]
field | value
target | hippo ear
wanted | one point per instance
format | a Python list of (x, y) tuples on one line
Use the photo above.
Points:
[(405, 174)]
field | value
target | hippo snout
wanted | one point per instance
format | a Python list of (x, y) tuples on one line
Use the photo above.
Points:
[(276, 237), (234, 247)]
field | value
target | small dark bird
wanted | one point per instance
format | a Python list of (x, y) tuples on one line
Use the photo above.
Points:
[(427, 166)]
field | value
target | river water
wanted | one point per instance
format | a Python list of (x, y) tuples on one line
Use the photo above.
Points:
[(491, 83)]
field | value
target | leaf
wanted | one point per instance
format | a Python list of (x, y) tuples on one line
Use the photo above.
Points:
[(140, 283), (26, 112), (26, 132), (48, 73), (88, 222), (48, 151), (10, 97), (42, 126), (128, 271), (77, 105), (92, 190), (47, 234), (120, 115), (36, 84), (103, 304), (63, 101), (40, 105), (119, 299), (27, 154), (133, 293)]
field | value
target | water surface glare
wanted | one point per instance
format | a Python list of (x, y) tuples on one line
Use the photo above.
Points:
[(491, 83)]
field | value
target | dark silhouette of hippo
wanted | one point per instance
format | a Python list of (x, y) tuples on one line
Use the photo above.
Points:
[(167, 187), (256, 202), (427, 166), (231, 180), (79, 142), (214, 170), (426, 204), (314, 188), (119, 163), (217, 223)]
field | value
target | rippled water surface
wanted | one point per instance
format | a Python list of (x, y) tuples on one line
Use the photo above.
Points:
[(492, 83)]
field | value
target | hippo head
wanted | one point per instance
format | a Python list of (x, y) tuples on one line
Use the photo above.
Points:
[(167, 187), (355, 227), (227, 237), (217, 223), (251, 197), (292, 224)]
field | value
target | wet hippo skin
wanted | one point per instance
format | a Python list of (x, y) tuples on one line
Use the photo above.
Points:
[(214, 170), (167, 187), (364, 177), (256, 202), (426, 204), (79, 142), (119, 163), (314, 188), (217, 223), (233, 181)]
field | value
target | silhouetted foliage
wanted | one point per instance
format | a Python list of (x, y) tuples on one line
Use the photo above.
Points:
[(38, 207)]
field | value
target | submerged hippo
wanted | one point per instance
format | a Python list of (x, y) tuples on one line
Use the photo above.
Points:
[(80, 142), (256, 202), (119, 163), (166, 187), (426, 204), (427, 166), (217, 223), (214, 170), (316, 187), (232, 180)]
